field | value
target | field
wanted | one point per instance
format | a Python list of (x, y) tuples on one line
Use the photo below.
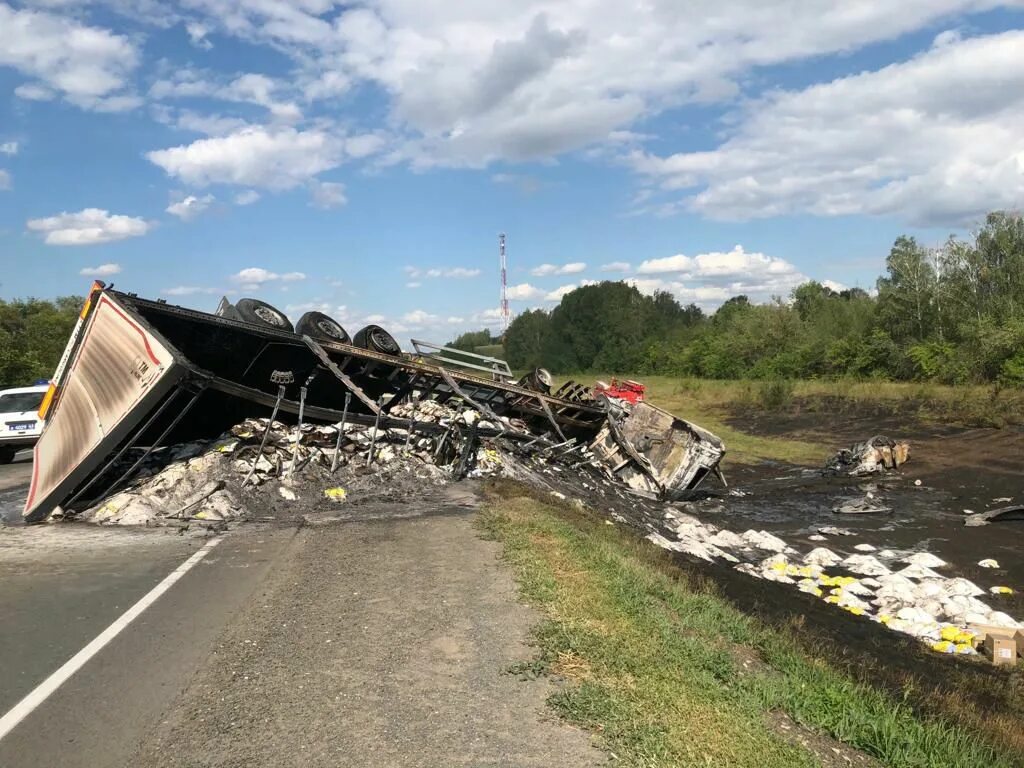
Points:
[(672, 662), (667, 672)]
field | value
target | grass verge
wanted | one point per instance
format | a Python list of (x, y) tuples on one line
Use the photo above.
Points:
[(667, 673)]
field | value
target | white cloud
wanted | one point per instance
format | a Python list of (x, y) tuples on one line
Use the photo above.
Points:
[(5, 180), (254, 277), (103, 270), (190, 206), (188, 290), (197, 35), (248, 88), (248, 197), (524, 292), (418, 318), (474, 82), (87, 227), (558, 293), (487, 317), (617, 266), (269, 158), (34, 92), (327, 194), (456, 273), (9, 148), (89, 65), (710, 278), (935, 140), (558, 269), (834, 286), (413, 284)]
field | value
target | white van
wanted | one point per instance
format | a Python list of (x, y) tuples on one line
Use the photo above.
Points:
[(20, 425)]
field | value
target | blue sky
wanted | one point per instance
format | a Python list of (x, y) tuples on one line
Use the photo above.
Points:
[(361, 158)]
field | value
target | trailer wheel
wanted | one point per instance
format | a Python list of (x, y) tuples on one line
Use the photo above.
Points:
[(376, 339), (260, 313), (322, 327), (7, 455)]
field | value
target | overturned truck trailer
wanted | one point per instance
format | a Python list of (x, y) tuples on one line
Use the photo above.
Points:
[(138, 375)]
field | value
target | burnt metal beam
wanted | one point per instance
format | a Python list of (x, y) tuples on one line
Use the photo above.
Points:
[(330, 365)]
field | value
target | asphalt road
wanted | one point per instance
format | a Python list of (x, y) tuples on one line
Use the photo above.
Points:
[(14, 480), (380, 641)]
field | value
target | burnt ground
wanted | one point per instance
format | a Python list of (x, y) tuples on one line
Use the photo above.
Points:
[(959, 469)]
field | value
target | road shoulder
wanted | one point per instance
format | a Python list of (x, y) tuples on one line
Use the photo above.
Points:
[(378, 643)]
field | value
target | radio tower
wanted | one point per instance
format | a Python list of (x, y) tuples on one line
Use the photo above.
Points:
[(504, 284)]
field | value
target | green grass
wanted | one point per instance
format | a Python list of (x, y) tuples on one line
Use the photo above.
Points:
[(667, 673), (712, 403)]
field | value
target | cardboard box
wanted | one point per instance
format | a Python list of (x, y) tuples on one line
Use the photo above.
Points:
[(1002, 649)]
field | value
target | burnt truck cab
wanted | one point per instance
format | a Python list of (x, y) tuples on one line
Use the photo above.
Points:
[(138, 375)]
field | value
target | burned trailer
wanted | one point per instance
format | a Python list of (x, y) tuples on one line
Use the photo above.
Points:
[(139, 375)]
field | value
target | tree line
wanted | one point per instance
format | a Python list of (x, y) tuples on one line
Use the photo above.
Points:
[(952, 314), (33, 334)]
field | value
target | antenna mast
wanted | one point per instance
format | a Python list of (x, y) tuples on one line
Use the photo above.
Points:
[(504, 283)]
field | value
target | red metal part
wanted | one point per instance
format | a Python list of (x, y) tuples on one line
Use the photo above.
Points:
[(630, 391)]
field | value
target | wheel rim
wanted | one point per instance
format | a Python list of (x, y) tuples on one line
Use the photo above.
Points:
[(331, 329), (383, 341), (268, 316)]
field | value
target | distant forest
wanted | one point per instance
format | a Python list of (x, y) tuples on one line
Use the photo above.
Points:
[(953, 314), (33, 334)]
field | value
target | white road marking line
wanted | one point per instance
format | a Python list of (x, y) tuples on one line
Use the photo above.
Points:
[(24, 708)]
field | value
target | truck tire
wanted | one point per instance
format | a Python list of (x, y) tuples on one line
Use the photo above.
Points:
[(321, 327), (537, 380), (7, 455), (258, 312), (376, 339)]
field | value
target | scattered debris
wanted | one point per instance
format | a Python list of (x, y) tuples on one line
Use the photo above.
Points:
[(870, 457), (860, 507), (1014, 512)]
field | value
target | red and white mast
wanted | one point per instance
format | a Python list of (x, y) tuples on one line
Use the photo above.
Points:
[(505, 318)]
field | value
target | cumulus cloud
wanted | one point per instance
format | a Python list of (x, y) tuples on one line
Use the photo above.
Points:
[(475, 82), (248, 197), (258, 156), (558, 269), (524, 292), (252, 278), (558, 293), (327, 194), (9, 148), (190, 206), (617, 266), (708, 279), (936, 140), (418, 318), (197, 35), (90, 66), (87, 227), (103, 270), (248, 88)]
